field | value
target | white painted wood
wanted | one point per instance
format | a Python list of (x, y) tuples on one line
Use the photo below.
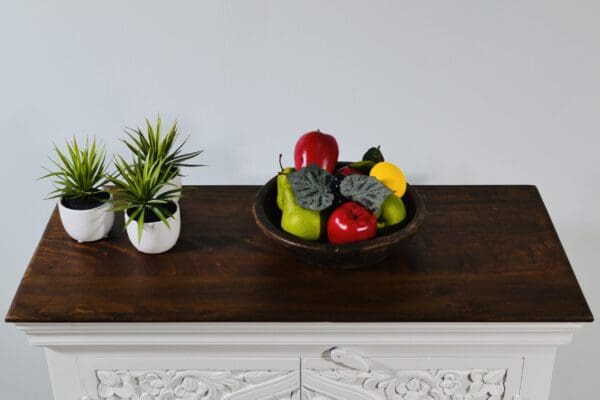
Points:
[(537, 373), (64, 374), (208, 378), (349, 358), (420, 378), (185, 334), (475, 359), (156, 384)]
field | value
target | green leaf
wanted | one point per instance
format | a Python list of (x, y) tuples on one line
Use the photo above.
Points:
[(140, 225), (363, 166), (78, 172), (133, 216), (312, 187), (154, 144), (365, 190), (373, 154), (136, 187), (161, 215)]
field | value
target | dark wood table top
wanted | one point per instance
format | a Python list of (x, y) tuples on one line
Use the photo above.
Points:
[(483, 254)]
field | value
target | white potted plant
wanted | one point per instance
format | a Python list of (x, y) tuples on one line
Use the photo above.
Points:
[(142, 191), (157, 146), (79, 176)]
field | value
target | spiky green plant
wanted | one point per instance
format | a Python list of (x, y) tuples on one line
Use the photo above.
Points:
[(142, 187), (157, 146), (78, 173)]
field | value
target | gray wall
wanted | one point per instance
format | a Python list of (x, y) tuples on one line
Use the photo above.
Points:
[(456, 92)]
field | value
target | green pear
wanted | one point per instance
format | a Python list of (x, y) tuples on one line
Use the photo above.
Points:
[(299, 221), (392, 211), (281, 181)]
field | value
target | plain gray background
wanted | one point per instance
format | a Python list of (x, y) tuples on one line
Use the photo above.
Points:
[(456, 92)]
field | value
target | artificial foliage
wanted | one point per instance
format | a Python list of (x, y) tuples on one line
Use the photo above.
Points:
[(141, 188), (79, 172), (365, 190), (312, 187), (155, 145)]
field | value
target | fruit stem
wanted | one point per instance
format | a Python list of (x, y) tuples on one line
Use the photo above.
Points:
[(280, 164)]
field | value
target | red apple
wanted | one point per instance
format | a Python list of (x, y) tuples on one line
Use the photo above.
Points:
[(316, 148), (351, 222)]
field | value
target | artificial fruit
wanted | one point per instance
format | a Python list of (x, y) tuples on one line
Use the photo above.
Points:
[(392, 211), (281, 182), (391, 176), (316, 148), (299, 221), (351, 222)]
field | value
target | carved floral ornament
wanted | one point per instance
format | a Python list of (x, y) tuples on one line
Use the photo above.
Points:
[(180, 384), (475, 384)]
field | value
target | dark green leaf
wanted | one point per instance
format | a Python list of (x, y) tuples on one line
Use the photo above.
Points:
[(365, 190), (373, 154), (311, 186)]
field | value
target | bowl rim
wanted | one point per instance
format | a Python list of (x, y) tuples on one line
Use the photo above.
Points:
[(289, 240)]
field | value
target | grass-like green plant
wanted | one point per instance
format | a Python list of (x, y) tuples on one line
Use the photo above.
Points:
[(142, 189), (157, 146), (79, 172)]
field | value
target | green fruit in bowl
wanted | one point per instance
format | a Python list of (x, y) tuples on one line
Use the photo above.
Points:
[(281, 178), (299, 221), (392, 212)]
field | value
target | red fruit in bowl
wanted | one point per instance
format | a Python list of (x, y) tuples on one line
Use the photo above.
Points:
[(348, 170), (351, 222), (316, 148)]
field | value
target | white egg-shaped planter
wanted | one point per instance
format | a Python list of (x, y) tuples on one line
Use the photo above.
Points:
[(156, 236), (174, 183), (86, 225)]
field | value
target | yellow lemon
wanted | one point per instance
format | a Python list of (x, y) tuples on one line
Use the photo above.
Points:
[(391, 176)]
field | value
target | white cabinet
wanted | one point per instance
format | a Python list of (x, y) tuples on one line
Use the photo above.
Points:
[(300, 361)]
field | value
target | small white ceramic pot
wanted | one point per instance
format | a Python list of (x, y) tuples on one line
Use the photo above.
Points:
[(156, 236), (87, 225), (174, 183)]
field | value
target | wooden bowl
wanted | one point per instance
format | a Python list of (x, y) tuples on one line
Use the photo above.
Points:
[(327, 255)]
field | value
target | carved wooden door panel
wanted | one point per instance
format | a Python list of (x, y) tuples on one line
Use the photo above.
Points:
[(190, 379), (347, 376)]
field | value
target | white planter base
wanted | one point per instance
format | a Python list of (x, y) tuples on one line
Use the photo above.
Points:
[(87, 225), (156, 237)]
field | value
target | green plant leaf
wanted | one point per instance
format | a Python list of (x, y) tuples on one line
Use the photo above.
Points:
[(161, 215), (365, 190), (311, 186), (78, 172), (140, 225), (158, 146), (142, 186)]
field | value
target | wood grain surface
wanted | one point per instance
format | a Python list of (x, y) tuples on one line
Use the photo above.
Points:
[(483, 254)]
